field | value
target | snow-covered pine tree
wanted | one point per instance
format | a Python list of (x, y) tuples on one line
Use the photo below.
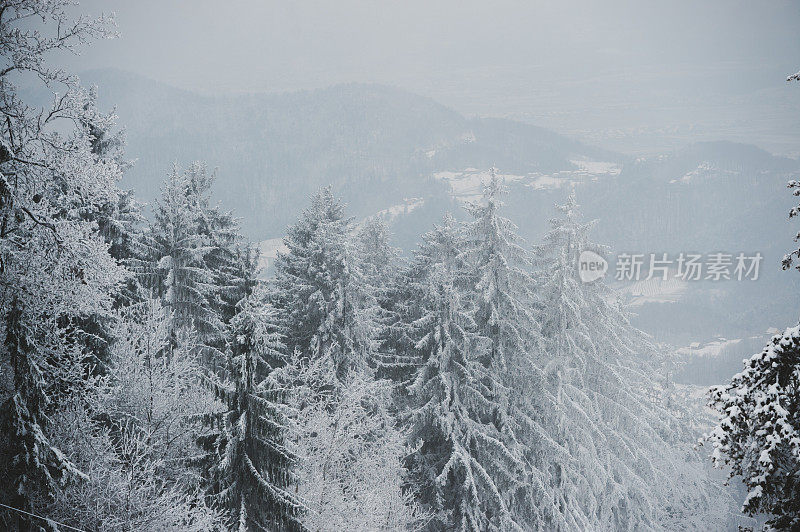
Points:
[(613, 454), (34, 468), (502, 283), (758, 434), (175, 268), (380, 273), (503, 291), (461, 463), (254, 477), (224, 250), (377, 259), (316, 288), (788, 259), (118, 221), (396, 358)]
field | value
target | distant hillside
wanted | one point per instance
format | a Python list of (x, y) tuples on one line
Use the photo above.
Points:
[(409, 159), (374, 144), (707, 198)]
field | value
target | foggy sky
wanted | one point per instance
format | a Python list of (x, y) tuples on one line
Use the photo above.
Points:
[(630, 75)]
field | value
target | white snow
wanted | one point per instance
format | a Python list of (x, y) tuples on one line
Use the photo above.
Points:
[(710, 350), (545, 181), (467, 185), (597, 167), (408, 206), (655, 290)]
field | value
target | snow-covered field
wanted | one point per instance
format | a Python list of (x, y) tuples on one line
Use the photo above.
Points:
[(401, 209), (654, 290), (467, 184), (712, 349)]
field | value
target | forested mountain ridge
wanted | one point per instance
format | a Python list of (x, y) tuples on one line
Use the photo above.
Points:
[(374, 144), (386, 150)]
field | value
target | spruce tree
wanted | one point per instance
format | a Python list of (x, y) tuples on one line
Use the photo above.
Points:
[(379, 267), (224, 247), (614, 453), (33, 465), (317, 290), (758, 433), (503, 285), (175, 268), (502, 288), (462, 463), (254, 476), (119, 223)]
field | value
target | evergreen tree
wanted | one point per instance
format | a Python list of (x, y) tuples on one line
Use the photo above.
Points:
[(223, 252), (377, 259), (462, 463), (613, 453), (503, 287), (503, 293), (788, 259), (176, 250), (758, 434), (380, 274), (396, 357), (118, 221), (758, 431), (317, 289), (255, 473), (33, 464)]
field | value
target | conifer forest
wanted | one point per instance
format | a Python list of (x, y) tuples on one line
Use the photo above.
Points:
[(255, 276)]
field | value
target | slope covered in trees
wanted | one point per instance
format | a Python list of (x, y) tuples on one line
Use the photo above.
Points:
[(756, 434), (152, 381), (390, 144)]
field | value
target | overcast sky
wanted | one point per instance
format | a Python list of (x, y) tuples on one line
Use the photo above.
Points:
[(578, 67)]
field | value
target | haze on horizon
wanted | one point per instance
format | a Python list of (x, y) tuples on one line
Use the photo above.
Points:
[(636, 77)]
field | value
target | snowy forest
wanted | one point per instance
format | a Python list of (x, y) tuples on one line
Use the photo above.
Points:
[(159, 373)]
